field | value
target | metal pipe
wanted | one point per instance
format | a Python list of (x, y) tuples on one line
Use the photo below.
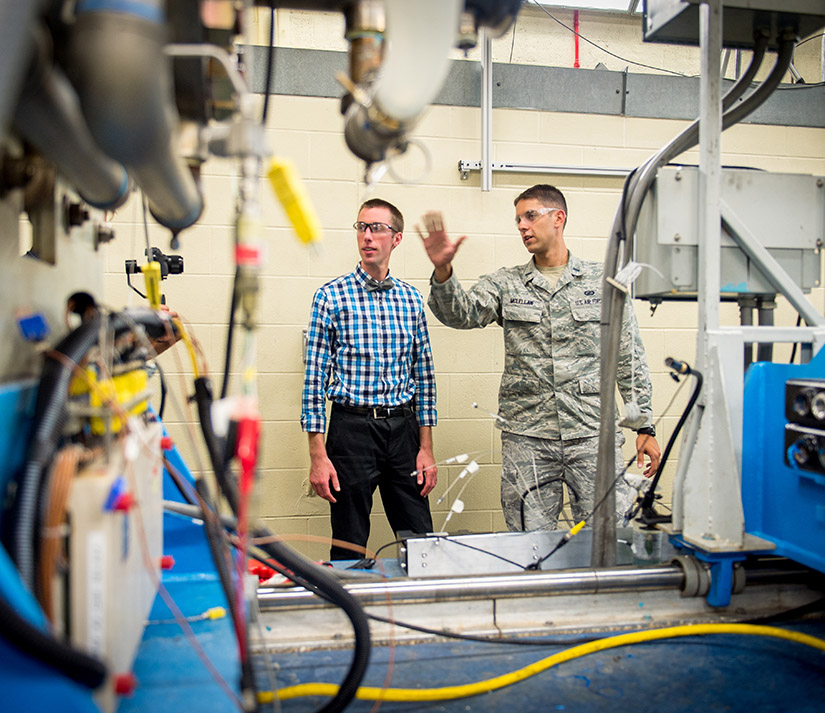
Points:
[(366, 24), (48, 116), (746, 307), (15, 18), (765, 309), (487, 111), (578, 581), (124, 81), (465, 167)]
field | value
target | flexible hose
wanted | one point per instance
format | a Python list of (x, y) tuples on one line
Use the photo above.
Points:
[(508, 679), (203, 401), (302, 571), (624, 226), (27, 638), (647, 501)]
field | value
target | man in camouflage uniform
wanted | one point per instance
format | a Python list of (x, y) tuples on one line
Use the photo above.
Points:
[(549, 403)]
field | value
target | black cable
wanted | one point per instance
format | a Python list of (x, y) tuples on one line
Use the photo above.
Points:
[(269, 63), (479, 549), (214, 445), (808, 39), (369, 562), (648, 514), (485, 639), (163, 391), (230, 332), (314, 578), (795, 344), (606, 51), (31, 640), (567, 535), (216, 540), (317, 580)]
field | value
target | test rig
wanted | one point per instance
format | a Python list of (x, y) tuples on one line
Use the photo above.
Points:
[(99, 97)]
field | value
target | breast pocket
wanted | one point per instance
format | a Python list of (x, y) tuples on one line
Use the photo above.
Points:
[(522, 328), (584, 337)]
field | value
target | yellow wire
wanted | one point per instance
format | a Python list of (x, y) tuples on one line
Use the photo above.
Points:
[(492, 684), (189, 347)]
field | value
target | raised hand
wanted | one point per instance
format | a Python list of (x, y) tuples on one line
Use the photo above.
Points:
[(440, 248)]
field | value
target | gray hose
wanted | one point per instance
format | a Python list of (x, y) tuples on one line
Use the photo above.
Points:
[(624, 226), (48, 116), (117, 64)]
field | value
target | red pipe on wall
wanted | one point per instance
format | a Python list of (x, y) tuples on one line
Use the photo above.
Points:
[(576, 38)]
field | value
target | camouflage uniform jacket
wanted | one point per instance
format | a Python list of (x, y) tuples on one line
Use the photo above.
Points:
[(550, 385)]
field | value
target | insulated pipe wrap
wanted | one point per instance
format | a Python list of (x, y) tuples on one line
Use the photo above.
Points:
[(124, 82), (49, 117)]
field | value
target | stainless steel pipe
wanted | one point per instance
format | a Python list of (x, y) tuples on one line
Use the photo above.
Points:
[(549, 583)]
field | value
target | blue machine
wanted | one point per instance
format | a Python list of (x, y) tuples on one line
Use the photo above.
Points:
[(30, 685), (783, 458)]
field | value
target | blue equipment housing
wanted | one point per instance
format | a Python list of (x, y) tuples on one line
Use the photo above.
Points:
[(783, 458)]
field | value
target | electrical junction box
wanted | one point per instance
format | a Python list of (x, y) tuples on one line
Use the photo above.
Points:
[(785, 213), (677, 21), (114, 556)]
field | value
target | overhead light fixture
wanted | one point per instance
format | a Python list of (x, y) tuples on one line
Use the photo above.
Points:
[(632, 6)]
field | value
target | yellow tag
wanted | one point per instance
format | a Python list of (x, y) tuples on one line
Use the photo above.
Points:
[(290, 191), (151, 275)]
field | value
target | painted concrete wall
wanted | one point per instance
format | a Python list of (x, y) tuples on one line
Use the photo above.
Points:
[(469, 364)]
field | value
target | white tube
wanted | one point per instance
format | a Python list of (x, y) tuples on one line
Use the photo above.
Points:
[(420, 36)]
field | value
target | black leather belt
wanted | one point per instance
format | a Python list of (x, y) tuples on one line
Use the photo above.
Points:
[(376, 411)]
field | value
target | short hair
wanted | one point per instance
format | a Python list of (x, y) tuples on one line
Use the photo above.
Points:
[(397, 218), (549, 196)]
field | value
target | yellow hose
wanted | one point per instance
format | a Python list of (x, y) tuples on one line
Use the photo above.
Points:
[(189, 346), (492, 684)]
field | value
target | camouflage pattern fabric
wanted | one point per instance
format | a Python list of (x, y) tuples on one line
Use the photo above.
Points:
[(534, 471), (550, 385)]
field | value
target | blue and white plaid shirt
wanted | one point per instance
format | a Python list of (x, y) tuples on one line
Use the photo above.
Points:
[(367, 348)]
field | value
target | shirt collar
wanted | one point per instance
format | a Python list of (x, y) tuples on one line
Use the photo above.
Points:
[(575, 268), (362, 278)]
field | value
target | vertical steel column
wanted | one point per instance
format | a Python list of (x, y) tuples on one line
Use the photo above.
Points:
[(710, 172), (486, 111), (707, 503)]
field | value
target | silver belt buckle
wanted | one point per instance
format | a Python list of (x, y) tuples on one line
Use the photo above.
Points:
[(375, 412)]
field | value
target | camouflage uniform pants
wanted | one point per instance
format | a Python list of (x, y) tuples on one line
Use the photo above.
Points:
[(533, 471)]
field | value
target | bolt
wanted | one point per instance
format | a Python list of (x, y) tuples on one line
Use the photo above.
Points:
[(678, 176), (820, 183), (677, 237)]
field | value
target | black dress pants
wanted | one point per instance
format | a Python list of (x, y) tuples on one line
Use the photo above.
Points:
[(370, 452)]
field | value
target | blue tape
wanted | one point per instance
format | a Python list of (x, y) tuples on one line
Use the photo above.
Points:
[(126, 7)]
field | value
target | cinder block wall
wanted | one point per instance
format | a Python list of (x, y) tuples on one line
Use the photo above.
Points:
[(468, 364)]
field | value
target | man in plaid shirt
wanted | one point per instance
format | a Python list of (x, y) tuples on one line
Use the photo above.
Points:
[(369, 354)]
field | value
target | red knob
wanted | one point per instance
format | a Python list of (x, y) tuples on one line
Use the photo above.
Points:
[(125, 684), (167, 562)]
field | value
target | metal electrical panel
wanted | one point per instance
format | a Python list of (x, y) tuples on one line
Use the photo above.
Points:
[(677, 21), (784, 212)]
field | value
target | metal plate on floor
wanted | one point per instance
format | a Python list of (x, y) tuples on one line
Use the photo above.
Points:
[(441, 555)]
